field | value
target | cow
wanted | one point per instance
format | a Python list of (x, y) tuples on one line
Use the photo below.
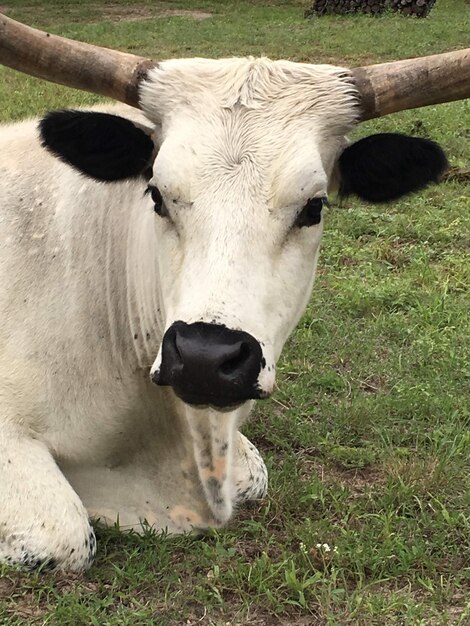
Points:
[(156, 255)]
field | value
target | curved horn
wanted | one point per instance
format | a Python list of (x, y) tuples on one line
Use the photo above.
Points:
[(391, 87), (102, 71)]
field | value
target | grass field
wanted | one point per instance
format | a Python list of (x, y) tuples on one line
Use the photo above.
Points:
[(367, 439)]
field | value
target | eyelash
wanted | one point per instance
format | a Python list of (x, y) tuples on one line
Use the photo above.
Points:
[(311, 213), (158, 204)]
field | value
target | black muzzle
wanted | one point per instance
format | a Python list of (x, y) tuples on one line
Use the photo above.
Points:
[(210, 364)]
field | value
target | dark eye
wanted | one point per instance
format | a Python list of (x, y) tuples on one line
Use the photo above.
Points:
[(158, 204), (311, 213)]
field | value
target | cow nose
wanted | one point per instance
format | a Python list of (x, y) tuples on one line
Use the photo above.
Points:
[(210, 364)]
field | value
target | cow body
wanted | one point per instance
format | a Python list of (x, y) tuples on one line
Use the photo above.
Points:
[(91, 279)]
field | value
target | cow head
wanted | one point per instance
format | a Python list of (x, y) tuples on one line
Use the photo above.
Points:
[(241, 176), (246, 152)]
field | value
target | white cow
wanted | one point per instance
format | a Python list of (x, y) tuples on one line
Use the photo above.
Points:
[(106, 290)]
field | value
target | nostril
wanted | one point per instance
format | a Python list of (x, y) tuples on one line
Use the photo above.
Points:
[(171, 352), (236, 362), (176, 348)]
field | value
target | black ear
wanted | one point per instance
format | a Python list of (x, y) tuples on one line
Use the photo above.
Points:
[(103, 146), (387, 166)]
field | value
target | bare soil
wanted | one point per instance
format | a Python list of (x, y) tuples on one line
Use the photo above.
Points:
[(111, 13)]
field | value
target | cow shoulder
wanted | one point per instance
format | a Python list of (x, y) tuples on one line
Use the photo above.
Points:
[(103, 146), (386, 166)]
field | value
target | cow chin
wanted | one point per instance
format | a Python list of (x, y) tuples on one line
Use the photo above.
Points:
[(214, 435)]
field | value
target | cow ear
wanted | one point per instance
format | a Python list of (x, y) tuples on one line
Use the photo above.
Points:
[(387, 166), (105, 147)]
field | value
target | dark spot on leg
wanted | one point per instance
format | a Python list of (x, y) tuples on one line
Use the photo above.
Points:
[(213, 487)]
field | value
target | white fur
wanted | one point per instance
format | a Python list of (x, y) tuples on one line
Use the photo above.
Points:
[(90, 278)]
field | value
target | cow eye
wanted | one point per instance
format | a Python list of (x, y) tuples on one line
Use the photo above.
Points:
[(158, 203), (311, 213)]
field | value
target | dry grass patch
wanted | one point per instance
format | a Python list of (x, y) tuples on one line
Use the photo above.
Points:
[(358, 481), (98, 12), (117, 13)]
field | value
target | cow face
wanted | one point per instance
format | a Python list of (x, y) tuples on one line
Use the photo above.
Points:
[(246, 152), (239, 183)]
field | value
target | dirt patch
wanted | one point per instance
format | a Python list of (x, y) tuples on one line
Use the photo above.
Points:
[(458, 174), (118, 13), (142, 14), (110, 13), (20, 599), (7, 586), (358, 480), (257, 618), (21, 592)]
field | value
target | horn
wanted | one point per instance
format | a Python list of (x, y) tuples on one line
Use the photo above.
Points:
[(390, 87), (102, 71)]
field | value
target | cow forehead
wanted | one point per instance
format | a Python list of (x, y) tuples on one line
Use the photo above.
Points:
[(247, 120)]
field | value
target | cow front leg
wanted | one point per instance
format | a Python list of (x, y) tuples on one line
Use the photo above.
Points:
[(250, 474), (42, 520)]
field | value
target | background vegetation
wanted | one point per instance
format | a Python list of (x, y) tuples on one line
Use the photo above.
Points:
[(367, 438)]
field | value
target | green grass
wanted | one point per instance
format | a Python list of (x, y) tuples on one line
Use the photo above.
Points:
[(367, 439)]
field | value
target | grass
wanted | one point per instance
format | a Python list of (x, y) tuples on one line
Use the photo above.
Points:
[(367, 438)]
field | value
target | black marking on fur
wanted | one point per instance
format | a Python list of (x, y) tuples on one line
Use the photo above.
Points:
[(205, 460), (243, 495), (214, 488), (32, 562), (224, 448), (102, 146), (45, 565), (384, 167)]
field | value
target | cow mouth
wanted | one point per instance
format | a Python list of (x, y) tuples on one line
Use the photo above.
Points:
[(218, 402)]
